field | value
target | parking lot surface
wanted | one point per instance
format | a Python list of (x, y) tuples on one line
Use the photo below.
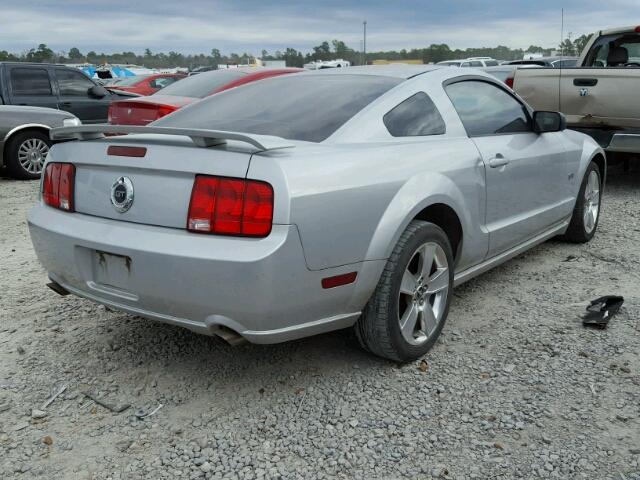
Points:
[(515, 388)]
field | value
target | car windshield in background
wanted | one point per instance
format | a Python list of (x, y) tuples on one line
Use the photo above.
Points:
[(128, 81), (203, 84), (296, 107)]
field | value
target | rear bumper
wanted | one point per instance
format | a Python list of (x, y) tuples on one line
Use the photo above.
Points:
[(259, 288), (628, 142), (623, 141)]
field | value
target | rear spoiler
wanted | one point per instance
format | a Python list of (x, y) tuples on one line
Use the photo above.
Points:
[(201, 137)]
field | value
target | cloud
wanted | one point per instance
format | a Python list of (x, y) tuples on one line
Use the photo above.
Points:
[(195, 26)]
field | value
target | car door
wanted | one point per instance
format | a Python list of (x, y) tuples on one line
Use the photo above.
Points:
[(526, 172), (74, 96), (31, 85)]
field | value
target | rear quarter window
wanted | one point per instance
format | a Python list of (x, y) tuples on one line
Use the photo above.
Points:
[(416, 116)]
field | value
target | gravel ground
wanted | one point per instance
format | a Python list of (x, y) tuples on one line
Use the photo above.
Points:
[(515, 388)]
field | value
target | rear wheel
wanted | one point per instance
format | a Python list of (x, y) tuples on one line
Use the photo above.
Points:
[(586, 212), (26, 154), (408, 309)]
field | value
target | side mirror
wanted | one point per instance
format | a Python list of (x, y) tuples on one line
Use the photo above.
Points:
[(549, 122), (98, 91)]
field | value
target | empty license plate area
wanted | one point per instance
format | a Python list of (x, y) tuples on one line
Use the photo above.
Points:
[(112, 270)]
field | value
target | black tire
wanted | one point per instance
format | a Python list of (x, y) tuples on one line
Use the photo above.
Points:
[(14, 167), (378, 329), (578, 231)]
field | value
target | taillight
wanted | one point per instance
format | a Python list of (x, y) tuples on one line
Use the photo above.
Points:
[(58, 186), (509, 81), (230, 206), (637, 29), (137, 113)]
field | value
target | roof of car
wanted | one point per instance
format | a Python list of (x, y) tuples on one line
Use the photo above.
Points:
[(36, 64), (611, 31), (397, 70)]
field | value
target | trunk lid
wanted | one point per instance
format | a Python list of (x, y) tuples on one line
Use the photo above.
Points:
[(161, 180)]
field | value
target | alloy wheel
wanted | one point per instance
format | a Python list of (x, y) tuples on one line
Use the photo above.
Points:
[(592, 201), (423, 293), (32, 154)]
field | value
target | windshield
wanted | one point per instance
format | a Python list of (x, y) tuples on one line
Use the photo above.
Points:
[(298, 107), (203, 84), (128, 81)]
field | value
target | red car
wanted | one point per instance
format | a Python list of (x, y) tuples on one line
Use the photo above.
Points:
[(144, 110), (146, 84)]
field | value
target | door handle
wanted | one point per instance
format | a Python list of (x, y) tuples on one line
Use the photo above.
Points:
[(498, 161), (66, 104), (585, 82)]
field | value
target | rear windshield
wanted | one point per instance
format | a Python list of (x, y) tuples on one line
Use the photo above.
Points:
[(202, 84), (297, 107)]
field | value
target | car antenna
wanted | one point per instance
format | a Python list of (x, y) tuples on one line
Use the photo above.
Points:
[(561, 55)]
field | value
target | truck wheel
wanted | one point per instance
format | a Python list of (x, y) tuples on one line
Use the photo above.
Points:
[(586, 213), (26, 154), (407, 311)]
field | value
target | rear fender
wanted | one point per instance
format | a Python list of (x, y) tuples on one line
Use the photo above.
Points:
[(409, 201)]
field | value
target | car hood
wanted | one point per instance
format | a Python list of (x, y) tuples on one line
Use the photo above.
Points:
[(25, 109), (122, 93)]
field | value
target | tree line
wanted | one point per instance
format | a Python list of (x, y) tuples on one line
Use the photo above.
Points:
[(293, 58)]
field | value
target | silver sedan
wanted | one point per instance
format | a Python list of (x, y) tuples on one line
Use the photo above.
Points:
[(307, 203), (24, 137)]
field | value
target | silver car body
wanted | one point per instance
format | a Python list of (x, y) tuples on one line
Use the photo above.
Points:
[(14, 119), (340, 206)]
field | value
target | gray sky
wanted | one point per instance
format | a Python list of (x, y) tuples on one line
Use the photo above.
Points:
[(197, 26)]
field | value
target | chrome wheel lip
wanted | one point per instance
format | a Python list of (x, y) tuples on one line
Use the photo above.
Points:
[(32, 154), (591, 202), (423, 293)]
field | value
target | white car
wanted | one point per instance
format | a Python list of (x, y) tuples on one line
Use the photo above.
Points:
[(474, 62)]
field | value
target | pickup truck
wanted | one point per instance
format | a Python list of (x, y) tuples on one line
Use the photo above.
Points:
[(56, 86), (600, 96)]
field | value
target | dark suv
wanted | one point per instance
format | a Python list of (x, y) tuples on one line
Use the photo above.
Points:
[(56, 86)]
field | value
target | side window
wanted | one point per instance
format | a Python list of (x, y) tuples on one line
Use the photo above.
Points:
[(465, 64), (30, 81), (416, 116), (486, 109), (72, 83), (476, 64)]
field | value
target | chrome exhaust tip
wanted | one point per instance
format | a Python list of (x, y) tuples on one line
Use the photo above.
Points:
[(59, 289), (229, 336)]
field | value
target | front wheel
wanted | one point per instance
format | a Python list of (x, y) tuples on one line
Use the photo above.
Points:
[(407, 311), (586, 212), (27, 152)]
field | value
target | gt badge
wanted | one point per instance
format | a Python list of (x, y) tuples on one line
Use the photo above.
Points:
[(122, 194)]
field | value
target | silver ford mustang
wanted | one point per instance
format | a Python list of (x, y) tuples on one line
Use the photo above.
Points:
[(312, 202)]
